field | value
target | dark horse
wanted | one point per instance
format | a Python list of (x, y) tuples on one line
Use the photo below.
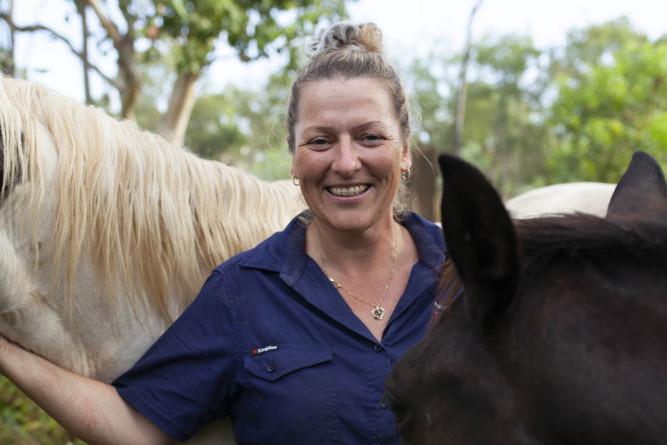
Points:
[(560, 336)]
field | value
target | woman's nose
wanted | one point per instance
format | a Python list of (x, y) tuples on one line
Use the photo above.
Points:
[(346, 159)]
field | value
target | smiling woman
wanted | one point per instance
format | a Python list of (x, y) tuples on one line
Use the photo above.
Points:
[(313, 318), (349, 284)]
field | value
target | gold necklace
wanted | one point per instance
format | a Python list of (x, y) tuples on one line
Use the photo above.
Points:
[(377, 310)]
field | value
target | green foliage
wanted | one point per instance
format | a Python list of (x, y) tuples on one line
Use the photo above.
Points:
[(611, 106), (244, 128), (251, 27), (503, 116), (501, 133), (23, 422), (272, 164), (588, 46), (559, 115), (430, 103), (214, 126)]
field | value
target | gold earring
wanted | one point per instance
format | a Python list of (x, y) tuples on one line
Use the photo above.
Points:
[(295, 181)]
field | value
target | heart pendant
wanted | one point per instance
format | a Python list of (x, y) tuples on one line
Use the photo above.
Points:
[(378, 312)]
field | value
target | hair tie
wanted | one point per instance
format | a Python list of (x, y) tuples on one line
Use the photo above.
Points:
[(336, 36)]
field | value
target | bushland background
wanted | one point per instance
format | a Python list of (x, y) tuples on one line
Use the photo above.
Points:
[(528, 109)]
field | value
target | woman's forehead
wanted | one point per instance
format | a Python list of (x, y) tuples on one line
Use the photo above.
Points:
[(357, 100)]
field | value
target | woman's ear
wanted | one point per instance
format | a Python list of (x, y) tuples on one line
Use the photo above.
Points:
[(406, 156)]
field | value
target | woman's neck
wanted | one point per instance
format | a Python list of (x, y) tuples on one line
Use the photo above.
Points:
[(353, 253)]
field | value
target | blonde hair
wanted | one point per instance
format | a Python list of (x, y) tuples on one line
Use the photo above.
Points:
[(155, 218)]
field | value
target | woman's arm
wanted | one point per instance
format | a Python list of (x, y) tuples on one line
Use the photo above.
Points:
[(89, 409)]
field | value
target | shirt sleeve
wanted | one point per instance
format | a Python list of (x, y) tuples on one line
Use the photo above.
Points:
[(183, 380)]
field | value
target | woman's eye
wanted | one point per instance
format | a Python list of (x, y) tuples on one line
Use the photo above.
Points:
[(372, 138), (318, 143)]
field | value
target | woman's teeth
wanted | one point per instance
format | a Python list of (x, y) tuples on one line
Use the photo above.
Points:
[(348, 191)]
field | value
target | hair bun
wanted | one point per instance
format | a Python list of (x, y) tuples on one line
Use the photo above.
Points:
[(345, 35)]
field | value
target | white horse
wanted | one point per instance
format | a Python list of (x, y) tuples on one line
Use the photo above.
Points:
[(107, 232), (584, 197)]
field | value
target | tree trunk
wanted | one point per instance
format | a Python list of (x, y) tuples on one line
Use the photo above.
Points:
[(463, 84), (128, 76), (174, 122), (7, 62), (128, 80), (81, 8)]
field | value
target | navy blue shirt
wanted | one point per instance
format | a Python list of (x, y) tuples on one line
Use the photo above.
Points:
[(270, 342)]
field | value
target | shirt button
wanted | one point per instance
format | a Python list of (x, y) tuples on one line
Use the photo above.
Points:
[(378, 348), (270, 368)]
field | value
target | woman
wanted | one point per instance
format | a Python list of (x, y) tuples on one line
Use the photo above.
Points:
[(292, 339)]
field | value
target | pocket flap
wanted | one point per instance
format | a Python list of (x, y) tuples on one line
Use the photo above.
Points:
[(279, 362)]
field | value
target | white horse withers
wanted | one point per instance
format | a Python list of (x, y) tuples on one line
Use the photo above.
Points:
[(584, 197), (107, 232)]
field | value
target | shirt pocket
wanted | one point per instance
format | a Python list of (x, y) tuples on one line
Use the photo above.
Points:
[(289, 393)]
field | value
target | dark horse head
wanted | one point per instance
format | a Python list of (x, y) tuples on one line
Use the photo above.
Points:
[(560, 336)]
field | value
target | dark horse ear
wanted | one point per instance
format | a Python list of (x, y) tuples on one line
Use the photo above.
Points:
[(480, 239), (642, 189)]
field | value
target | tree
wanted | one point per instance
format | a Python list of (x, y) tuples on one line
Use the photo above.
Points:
[(505, 133), (433, 131), (611, 102), (7, 54), (187, 32), (251, 27), (244, 127), (215, 128), (463, 83)]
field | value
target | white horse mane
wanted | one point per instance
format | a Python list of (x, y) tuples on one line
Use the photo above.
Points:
[(152, 215)]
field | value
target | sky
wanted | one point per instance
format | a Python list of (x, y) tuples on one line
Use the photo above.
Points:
[(412, 27)]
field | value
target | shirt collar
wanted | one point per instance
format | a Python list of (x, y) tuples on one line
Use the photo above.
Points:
[(291, 262)]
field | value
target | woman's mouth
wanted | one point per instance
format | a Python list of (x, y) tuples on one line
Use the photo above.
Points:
[(348, 191)]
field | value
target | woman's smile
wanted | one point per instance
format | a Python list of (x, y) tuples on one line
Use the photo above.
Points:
[(348, 191)]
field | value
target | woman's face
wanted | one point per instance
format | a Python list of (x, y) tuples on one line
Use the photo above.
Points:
[(349, 152)]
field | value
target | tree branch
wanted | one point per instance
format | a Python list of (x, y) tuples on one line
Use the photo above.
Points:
[(109, 26), (56, 35), (463, 83)]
